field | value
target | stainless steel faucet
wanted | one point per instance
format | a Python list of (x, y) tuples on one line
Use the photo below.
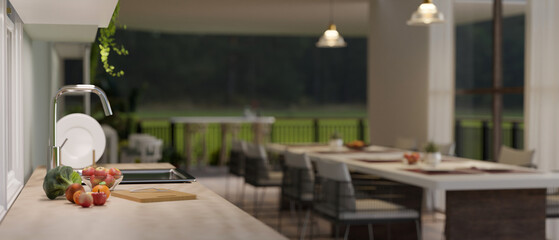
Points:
[(72, 89)]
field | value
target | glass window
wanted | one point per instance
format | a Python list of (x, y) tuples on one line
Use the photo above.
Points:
[(474, 77)]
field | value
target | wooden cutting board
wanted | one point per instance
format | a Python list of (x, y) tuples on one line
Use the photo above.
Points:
[(153, 195)]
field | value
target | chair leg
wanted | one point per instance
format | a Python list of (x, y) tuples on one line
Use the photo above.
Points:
[(262, 198), (346, 232), (242, 186), (418, 230), (371, 234), (305, 224), (388, 231), (299, 210), (227, 186), (242, 201), (312, 220), (255, 202), (292, 209), (280, 214), (337, 231)]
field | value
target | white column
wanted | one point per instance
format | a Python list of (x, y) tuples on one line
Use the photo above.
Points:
[(397, 68), (410, 74), (542, 82), (541, 86), (441, 77)]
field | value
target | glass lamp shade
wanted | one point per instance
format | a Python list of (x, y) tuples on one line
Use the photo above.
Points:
[(426, 14), (331, 39)]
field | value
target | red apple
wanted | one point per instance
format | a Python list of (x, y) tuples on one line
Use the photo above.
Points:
[(114, 172), (95, 180), (85, 200), (100, 171), (74, 187), (110, 181), (88, 171), (99, 198)]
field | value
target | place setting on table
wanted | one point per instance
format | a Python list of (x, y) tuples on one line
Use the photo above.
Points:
[(446, 165)]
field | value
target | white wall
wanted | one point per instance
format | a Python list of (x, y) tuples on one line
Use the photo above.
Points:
[(37, 56)]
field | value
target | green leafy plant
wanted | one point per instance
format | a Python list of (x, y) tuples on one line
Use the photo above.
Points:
[(431, 148), (58, 179), (336, 135), (107, 44)]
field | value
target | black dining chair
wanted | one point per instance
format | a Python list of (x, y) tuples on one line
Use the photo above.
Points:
[(297, 187), (338, 200), (259, 173), (236, 163)]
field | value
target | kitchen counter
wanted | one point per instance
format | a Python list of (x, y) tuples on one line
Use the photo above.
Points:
[(34, 216)]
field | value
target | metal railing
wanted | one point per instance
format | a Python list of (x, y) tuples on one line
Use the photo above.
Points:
[(472, 136)]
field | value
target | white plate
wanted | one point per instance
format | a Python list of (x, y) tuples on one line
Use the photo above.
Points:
[(84, 135)]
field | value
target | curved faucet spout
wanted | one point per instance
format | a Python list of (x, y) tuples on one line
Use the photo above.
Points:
[(86, 88), (73, 89)]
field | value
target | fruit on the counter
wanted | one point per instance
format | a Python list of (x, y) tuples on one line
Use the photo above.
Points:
[(85, 200), (58, 179), (95, 180), (88, 171), (102, 188), (100, 171), (76, 196), (74, 187), (110, 181), (99, 198), (115, 172)]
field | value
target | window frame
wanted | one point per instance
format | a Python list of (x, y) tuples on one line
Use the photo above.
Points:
[(11, 109)]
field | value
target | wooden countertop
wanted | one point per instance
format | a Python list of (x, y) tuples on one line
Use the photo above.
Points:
[(34, 216)]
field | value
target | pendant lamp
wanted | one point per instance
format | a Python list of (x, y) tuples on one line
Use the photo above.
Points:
[(426, 14), (331, 37)]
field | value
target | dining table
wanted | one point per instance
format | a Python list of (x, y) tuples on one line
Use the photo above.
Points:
[(483, 199)]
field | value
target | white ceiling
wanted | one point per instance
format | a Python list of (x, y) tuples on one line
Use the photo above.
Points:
[(273, 17), (266, 17)]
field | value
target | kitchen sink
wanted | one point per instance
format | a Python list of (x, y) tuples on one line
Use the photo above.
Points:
[(156, 176)]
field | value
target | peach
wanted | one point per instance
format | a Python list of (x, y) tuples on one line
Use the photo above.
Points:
[(85, 200), (74, 187)]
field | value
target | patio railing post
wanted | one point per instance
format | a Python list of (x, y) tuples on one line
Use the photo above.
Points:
[(458, 138), (271, 133), (514, 135), (172, 134), (139, 126), (361, 129), (485, 140), (316, 130)]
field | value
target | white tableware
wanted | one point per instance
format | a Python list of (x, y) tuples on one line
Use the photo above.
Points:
[(84, 135)]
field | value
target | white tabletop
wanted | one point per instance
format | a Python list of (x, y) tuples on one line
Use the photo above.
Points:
[(268, 120), (524, 178)]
